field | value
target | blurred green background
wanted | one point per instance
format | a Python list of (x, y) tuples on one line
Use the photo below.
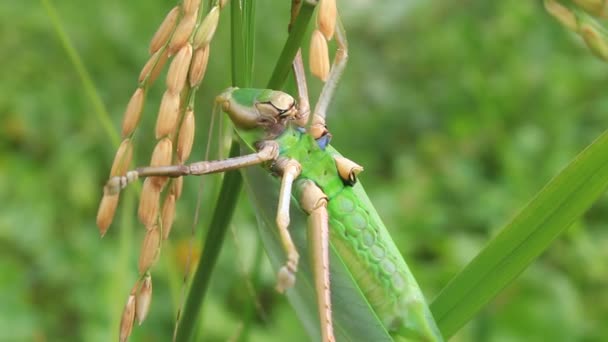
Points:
[(460, 112)]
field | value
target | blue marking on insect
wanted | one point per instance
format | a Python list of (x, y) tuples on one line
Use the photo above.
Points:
[(324, 140)]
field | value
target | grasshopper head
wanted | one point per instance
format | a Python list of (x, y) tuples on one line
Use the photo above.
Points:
[(253, 108)]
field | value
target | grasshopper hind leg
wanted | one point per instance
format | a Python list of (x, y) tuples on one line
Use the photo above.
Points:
[(314, 202)]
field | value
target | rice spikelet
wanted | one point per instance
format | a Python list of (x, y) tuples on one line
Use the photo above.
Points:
[(182, 32), (149, 203), (185, 138), (319, 56), (596, 8), (153, 66), (143, 299), (105, 213), (168, 114), (149, 249), (562, 14), (133, 112), (122, 159), (168, 214), (178, 70), (127, 318), (177, 186), (595, 41), (190, 6), (161, 155), (326, 18), (164, 31), (206, 30), (199, 65)]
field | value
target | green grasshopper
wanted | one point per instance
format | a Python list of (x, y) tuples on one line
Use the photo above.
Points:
[(341, 221)]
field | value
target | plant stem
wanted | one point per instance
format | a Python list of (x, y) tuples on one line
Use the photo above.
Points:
[(294, 40), (214, 240)]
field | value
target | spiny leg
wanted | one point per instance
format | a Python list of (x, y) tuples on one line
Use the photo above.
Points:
[(303, 102), (299, 73), (316, 131), (268, 150), (337, 68), (289, 169), (314, 202)]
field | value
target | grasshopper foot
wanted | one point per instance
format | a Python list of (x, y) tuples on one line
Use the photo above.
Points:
[(286, 278), (117, 183)]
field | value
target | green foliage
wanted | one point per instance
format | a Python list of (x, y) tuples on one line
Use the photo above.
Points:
[(459, 111), (528, 235)]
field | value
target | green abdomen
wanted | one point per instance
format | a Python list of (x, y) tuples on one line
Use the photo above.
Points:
[(364, 245), (356, 237), (377, 266)]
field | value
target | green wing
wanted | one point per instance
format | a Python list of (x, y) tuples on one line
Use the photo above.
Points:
[(354, 318)]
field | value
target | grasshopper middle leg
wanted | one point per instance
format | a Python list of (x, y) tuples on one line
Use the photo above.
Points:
[(289, 169)]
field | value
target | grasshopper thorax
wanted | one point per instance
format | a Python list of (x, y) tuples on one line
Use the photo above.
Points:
[(258, 108)]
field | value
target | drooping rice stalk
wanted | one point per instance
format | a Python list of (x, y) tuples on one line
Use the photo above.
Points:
[(183, 40)]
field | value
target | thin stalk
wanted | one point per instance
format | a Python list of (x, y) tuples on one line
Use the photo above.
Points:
[(214, 240), (249, 25), (294, 40), (238, 54), (83, 74), (85, 78)]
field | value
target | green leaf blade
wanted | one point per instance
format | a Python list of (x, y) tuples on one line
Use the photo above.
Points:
[(563, 200)]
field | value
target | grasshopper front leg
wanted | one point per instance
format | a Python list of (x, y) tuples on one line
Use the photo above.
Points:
[(268, 150), (148, 207)]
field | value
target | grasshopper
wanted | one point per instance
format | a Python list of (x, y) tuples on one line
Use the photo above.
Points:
[(279, 134)]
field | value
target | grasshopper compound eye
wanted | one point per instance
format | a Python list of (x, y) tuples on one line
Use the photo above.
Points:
[(275, 106), (284, 104)]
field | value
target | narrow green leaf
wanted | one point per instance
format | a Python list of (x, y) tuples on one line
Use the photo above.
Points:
[(249, 33), (83, 74), (563, 200), (239, 60)]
